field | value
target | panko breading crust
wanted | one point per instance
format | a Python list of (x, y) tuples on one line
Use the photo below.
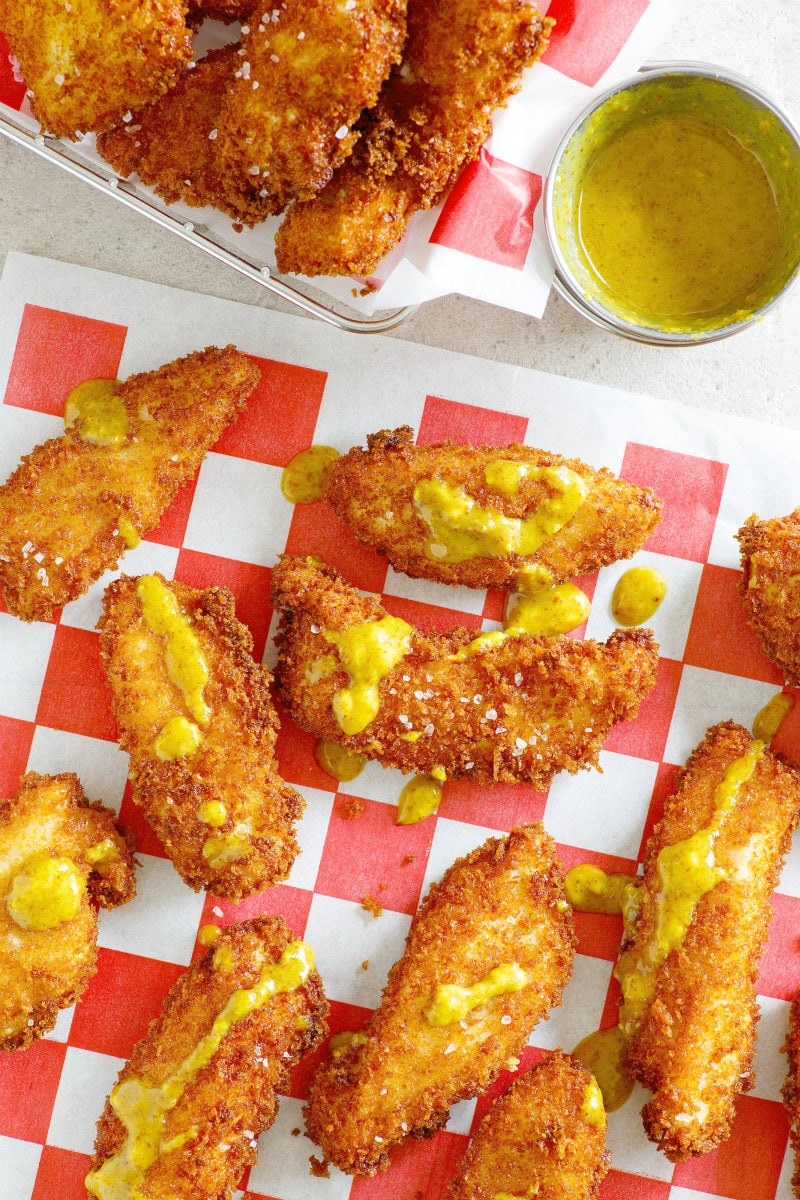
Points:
[(694, 1044), (613, 522), (791, 1087), (235, 761), (48, 969), (501, 904), (518, 711), (462, 60), (89, 62), (233, 1099), (536, 1141), (770, 587), (60, 510)]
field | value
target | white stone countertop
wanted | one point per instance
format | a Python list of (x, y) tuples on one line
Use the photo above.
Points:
[(756, 373)]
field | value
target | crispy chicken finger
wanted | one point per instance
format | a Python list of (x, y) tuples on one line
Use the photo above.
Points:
[(487, 955), (770, 587), (689, 974), (60, 857), (463, 59), (791, 1087), (89, 62), (195, 715), (483, 515), (495, 708), (544, 1138), (181, 1122), (75, 503)]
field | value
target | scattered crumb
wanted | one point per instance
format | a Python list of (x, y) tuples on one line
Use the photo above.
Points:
[(296, 1132), (371, 905), (382, 887), (319, 1167), (353, 808), (365, 965), (406, 859)]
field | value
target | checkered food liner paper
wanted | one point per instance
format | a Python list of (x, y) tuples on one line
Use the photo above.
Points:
[(487, 240), (61, 324)]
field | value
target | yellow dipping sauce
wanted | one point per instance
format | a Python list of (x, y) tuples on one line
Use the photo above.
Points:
[(420, 797), (338, 761), (769, 719), (451, 1002), (304, 479), (45, 893), (547, 611), (186, 665), (96, 414), (178, 738), (368, 651), (603, 1053), (637, 595), (591, 889)]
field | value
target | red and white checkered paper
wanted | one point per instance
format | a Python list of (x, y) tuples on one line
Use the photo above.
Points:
[(61, 324), (488, 239)]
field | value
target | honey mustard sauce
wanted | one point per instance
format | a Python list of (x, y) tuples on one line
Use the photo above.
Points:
[(419, 798), (450, 1002), (637, 595), (96, 414), (142, 1106), (213, 813), (543, 607), (769, 719), (367, 651), (604, 1053), (46, 892), (102, 852), (207, 935), (304, 479), (338, 761), (460, 528)]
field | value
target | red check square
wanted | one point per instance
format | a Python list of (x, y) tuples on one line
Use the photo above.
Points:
[(589, 34), (120, 1002), (28, 1084), (132, 817), (56, 351), (489, 213), (646, 735), (665, 785), (787, 739), (171, 529), (15, 747), (617, 1185), (61, 1173), (720, 638), (779, 972), (282, 900), (747, 1165), (501, 806), (599, 934), (75, 695), (450, 420), (430, 618), (12, 91), (315, 529), (295, 753), (419, 1168), (691, 489), (280, 416), (249, 583)]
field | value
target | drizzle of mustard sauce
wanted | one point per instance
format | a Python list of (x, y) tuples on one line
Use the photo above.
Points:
[(208, 934), (142, 1107), (462, 529), (128, 532), (338, 761), (483, 641), (178, 738), (420, 797), (96, 414), (770, 718), (213, 813), (225, 848), (593, 1109), (368, 651), (637, 595), (591, 889), (186, 665), (451, 1002), (304, 479), (547, 611), (102, 852), (45, 892), (343, 1041), (604, 1053)]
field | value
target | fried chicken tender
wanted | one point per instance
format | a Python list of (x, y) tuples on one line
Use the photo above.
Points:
[(60, 858), (181, 1122), (75, 503), (487, 955), (544, 1138), (89, 62), (463, 59), (307, 69), (791, 1087), (202, 759), (689, 974), (496, 708), (770, 587), (458, 514)]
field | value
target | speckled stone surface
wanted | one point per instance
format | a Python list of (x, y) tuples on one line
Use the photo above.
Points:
[(756, 373)]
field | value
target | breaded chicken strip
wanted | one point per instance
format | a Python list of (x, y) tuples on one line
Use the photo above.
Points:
[(689, 974), (307, 69), (791, 1087), (483, 515), (463, 59), (544, 1138), (181, 1122), (487, 955), (60, 858), (196, 717), (497, 708), (89, 62), (75, 503), (770, 587)]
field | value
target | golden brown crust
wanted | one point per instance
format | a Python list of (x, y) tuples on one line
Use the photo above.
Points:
[(47, 970), (515, 712), (60, 511), (231, 1100), (694, 1044), (791, 1087), (535, 1140), (89, 62), (235, 761), (613, 522), (462, 60), (770, 587), (502, 903)]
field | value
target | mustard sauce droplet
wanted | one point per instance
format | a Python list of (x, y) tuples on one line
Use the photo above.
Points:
[(420, 797), (102, 852), (224, 849), (304, 479), (637, 595), (368, 651), (451, 1002), (213, 813), (128, 532), (343, 1041), (593, 1109), (338, 761), (208, 934), (590, 889), (547, 611), (179, 738), (142, 1107), (770, 718), (45, 893), (96, 414), (186, 665), (604, 1053)]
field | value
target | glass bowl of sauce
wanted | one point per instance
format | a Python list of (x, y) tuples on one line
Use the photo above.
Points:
[(673, 206)]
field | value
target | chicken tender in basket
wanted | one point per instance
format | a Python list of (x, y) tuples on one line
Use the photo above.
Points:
[(183, 1118), (770, 587), (60, 858), (76, 503), (485, 516), (196, 717), (496, 707), (487, 956)]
